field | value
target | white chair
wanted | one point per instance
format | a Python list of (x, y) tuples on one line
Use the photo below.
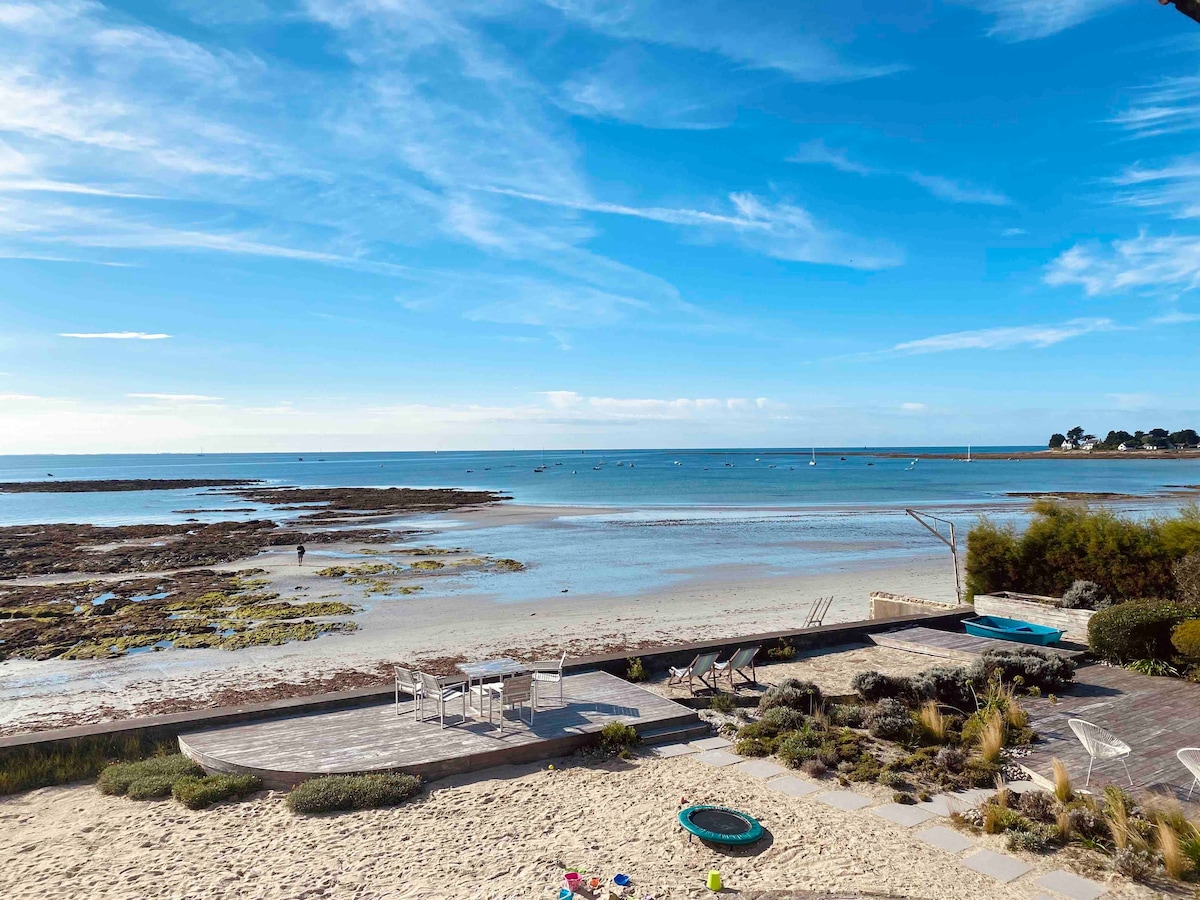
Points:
[(1100, 744), (1190, 757), (441, 691), (407, 683), (741, 660), (550, 676), (516, 690), (693, 672)]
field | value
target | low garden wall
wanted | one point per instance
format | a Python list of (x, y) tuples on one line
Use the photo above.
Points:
[(886, 606), (1037, 610)]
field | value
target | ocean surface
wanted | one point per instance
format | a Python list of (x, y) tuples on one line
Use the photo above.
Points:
[(661, 517)]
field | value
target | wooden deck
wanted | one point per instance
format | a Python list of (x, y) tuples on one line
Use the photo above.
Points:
[(1154, 716), (284, 752), (957, 646)]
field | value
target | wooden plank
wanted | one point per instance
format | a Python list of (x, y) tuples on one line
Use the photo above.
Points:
[(379, 738), (1155, 716)]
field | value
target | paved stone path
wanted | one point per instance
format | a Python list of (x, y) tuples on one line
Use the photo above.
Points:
[(1000, 866)]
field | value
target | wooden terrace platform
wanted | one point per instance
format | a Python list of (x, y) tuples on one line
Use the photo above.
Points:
[(956, 646), (283, 752), (1154, 716)]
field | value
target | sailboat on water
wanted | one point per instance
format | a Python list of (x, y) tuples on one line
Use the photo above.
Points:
[(968, 453), (813, 461)]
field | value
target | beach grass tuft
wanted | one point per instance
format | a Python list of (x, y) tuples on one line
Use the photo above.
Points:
[(28, 768), (1062, 781), (146, 779), (991, 738), (200, 793)]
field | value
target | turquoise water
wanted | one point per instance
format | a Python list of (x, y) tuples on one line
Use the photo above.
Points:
[(648, 478)]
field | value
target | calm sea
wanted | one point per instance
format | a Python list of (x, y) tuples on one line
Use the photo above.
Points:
[(663, 516)]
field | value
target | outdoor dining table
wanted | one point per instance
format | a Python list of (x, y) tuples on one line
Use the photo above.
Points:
[(489, 669)]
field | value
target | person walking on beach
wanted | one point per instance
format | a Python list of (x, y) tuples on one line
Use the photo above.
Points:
[(300, 555)]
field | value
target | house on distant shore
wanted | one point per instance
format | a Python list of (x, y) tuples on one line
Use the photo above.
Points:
[(1129, 445), (1089, 443)]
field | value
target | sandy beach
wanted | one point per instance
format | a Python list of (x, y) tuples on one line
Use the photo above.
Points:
[(501, 834)]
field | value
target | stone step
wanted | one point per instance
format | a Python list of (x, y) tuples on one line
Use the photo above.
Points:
[(672, 734)]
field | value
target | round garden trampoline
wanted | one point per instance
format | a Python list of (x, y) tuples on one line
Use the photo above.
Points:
[(720, 825)]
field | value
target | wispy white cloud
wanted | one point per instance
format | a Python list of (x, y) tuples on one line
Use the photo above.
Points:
[(1168, 106), (1174, 187), (1005, 338), (949, 189), (957, 191), (913, 407), (1175, 317), (115, 335), (1144, 262), (817, 152), (1013, 232), (778, 229), (1025, 20), (730, 32), (175, 398)]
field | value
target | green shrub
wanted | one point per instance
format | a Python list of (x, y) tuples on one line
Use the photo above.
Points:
[(1038, 806), (1069, 542), (1186, 638), (794, 750), (903, 798), (849, 715), (1139, 629), (781, 718), (635, 671), (891, 720), (874, 686), (753, 746), (793, 693), (1039, 838), (147, 778), (722, 703), (947, 685), (781, 652), (201, 793), (338, 793), (1085, 595), (1036, 669), (617, 739)]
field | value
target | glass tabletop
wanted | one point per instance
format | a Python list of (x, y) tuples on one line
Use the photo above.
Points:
[(492, 668)]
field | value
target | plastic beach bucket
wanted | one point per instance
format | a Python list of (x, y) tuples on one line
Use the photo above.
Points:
[(573, 880), (714, 880)]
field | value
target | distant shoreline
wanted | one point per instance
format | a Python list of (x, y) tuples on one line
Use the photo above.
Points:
[(1026, 454)]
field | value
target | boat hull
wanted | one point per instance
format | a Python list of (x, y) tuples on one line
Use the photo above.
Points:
[(1002, 629)]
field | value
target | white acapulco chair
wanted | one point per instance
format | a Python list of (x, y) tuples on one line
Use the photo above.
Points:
[(1100, 744), (550, 676), (1190, 757)]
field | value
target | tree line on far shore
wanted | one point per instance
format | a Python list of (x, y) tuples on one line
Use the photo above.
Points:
[(1154, 439)]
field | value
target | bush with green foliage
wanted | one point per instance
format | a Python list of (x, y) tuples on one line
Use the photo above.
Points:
[(1085, 595), (1186, 639), (1139, 629), (201, 793), (1187, 578), (793, 693), (1037, 838), (781, 652), (148, 778), (781, 718), (340, 793), (1065, 543), (891, 720), (1035, 669), (617, 739), (872, 686), (948, 685), (635, 671), (722, 703), (848, 715)]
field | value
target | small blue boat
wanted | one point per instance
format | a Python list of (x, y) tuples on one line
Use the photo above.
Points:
[(1003, 629)]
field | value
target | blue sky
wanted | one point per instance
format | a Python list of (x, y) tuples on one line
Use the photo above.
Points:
[(383, 224)]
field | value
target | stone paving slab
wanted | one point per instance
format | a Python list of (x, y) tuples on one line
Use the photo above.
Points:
[(761, 768), (1000, 866), (945, 839), (793, 786), (945, 804), (666, 751), (974, 796), (719, 758), (847, 800), (711, 743), (1071, 885), (905, 814)]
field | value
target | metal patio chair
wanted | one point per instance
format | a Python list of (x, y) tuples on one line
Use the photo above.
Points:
[(1100, 744)]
